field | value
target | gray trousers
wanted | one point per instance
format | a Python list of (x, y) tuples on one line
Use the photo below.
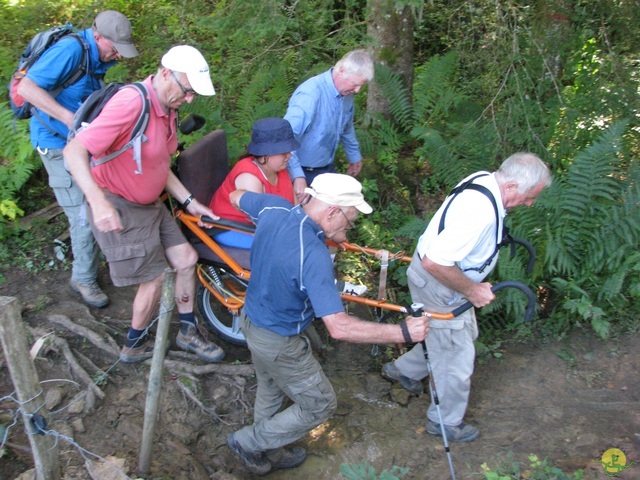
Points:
[(285, 367), (71, 199), (449, 344)]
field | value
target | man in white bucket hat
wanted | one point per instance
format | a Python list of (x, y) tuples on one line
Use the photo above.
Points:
[(131, 224), (289, 256)]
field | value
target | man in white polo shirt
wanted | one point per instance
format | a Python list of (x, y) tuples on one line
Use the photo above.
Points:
[(454, 255)]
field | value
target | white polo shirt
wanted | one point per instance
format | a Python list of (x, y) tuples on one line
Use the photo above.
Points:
[(469, 235)]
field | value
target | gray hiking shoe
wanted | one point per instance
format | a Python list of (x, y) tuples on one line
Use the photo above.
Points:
[(195, 342), (255, 462), (462, 433), (286, 457), (138, 353), (90, 293), (391, 372)]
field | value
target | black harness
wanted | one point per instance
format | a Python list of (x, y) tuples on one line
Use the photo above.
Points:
[(502, 238)]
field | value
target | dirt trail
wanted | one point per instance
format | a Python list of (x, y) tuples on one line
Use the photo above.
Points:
[(566, 401)]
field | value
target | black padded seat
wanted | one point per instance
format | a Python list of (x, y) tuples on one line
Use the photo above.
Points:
[(202, 168)]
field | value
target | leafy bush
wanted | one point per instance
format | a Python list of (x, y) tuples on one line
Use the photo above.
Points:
[(537, 470)]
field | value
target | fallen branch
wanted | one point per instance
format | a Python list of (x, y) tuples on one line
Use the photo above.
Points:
[(76, 369), (245, 370), (107, 345)]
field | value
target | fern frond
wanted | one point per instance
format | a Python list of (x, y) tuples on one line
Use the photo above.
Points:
[(397, 96), (585, 199)]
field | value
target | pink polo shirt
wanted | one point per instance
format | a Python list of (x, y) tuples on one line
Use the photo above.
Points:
[(112, 129)]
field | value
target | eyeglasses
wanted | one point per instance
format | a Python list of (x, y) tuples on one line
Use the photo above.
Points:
[(351, 224), (114, 50), (185, 90)]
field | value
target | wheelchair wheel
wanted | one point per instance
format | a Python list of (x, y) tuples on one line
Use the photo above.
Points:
[(216, 315)]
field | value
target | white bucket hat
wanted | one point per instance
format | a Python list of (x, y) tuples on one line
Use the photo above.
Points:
[(189, 60)]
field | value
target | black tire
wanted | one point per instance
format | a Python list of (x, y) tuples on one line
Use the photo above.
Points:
[(216, 316)]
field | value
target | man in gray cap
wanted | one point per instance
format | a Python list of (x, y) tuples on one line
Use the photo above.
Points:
[(45, 86), (131, 224), (289, 256)]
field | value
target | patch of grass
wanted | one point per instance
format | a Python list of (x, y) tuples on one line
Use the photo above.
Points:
[(536, 470)]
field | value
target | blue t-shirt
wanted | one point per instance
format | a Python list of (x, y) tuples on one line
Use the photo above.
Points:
[(54, 67), (292, 278), (321, 118)]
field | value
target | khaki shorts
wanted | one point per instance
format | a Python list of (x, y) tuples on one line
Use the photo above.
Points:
[(136, 254)]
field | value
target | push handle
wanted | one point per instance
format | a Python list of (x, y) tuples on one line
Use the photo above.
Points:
[(499, 286), (229, 224), (530, 250)]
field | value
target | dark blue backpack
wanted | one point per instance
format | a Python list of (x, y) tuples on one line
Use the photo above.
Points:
[(92, 107)]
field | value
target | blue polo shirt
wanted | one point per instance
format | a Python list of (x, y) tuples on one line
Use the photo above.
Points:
[(321, 118), (55, 65), (292, 279)]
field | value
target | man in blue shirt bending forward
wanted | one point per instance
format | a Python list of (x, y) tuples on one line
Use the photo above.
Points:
[(321, 115), (95, 50), (289, 256)]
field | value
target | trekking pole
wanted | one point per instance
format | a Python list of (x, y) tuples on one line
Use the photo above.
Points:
[(417, 311)]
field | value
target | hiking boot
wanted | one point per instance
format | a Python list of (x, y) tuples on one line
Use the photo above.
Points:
[(90, 293), (463, 433), (138, 353), (351, 289), (255, 462), (195, 342), (286, 457), (391, 372)]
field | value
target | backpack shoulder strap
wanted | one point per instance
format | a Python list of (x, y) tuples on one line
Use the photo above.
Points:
[(80, 71), (137, 133), (463, 186), (469, 185)]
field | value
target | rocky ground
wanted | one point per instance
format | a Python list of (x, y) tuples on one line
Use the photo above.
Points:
[(566, 401)]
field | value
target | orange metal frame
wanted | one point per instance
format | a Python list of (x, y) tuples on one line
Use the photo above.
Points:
[(235, 304)]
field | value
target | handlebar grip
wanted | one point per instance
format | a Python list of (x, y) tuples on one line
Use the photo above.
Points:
[(530, 250), (229, 224), (507, 284), (416, 309)]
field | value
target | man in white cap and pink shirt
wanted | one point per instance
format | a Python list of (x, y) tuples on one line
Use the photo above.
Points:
[(133, 227), (289, 256)]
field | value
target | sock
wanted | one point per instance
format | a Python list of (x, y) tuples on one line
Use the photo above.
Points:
[(186, 319), (135, 338)]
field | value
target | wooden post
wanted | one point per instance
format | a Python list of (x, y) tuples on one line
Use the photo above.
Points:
[(27, 385), (155, 374)]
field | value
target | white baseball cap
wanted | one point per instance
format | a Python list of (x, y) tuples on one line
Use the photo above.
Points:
[(340, 190), (187, 59)]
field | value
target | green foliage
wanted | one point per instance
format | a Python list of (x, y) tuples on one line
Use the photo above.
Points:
[(537, 470), (364, 471), (17, 163), (592, 231), (490, 78)]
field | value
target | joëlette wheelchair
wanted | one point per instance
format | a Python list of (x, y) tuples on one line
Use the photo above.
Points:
[(223, 268)]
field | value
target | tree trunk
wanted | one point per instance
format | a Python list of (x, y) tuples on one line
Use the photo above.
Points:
[(391, 34)]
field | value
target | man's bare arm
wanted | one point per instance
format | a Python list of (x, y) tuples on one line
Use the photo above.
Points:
[(40, 98)]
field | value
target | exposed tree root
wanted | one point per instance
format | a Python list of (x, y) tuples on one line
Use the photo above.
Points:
[(245, 370), (191, 395), (107, 344)]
